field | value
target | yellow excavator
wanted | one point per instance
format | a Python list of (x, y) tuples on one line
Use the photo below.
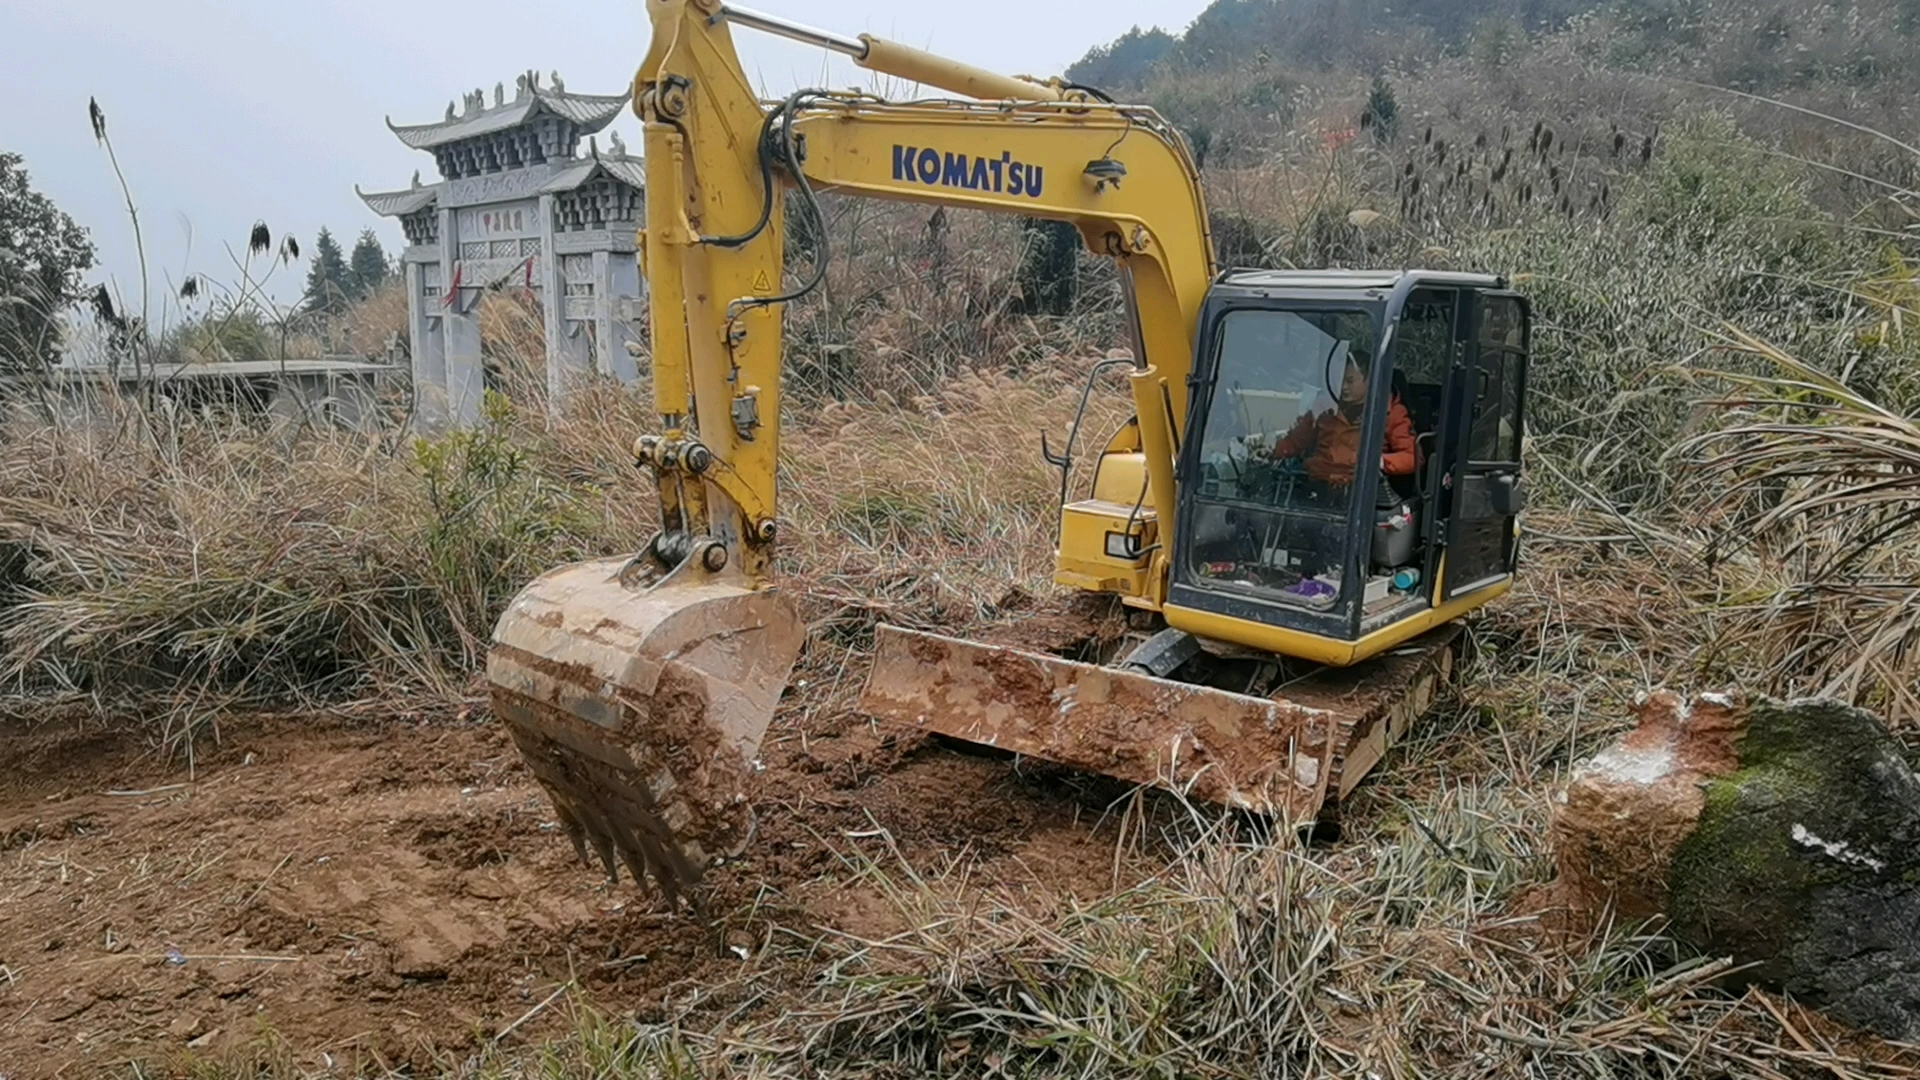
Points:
[(1320, 476)]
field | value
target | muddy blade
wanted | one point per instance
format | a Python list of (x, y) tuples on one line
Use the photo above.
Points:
[(641, 711), (1272, 757)]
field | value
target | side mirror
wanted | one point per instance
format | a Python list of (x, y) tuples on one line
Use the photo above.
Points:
[(1508, 494)]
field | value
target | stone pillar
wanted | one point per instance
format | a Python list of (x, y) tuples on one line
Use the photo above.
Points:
[(426, 347), (565, 361), (603, 341), (575, 332), (465, 376), (623, 301)]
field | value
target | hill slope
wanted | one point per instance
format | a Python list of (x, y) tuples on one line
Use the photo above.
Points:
[(1756, 47)]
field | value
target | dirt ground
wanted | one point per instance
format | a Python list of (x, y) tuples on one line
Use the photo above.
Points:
[(376, 892)]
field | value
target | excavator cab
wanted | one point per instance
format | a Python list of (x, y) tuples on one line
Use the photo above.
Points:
[(1351, 471)]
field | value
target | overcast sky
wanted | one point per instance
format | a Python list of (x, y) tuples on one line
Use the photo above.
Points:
[(224, 112)]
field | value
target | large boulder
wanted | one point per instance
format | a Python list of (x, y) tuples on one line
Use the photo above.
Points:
[(1784, 835)]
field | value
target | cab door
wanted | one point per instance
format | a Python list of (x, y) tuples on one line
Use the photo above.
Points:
[(1484, 480)]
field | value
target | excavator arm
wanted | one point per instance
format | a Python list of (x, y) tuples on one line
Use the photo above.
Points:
[(638, 689)]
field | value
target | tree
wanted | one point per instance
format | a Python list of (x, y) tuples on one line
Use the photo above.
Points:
[(1047, 263), (329, 283), (1382, 112), (43, 252), (367, 268), (1124, 62), (1199, 140)]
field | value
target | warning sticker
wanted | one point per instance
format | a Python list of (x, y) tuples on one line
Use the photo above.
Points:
[(761, 284)]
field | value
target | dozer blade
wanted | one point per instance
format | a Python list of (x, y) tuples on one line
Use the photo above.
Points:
[(1269, 756), (641, 710)]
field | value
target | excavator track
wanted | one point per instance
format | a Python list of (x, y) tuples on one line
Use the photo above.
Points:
[(1377, 703)]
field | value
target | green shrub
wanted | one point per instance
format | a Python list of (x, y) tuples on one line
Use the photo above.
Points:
[(494, 521)]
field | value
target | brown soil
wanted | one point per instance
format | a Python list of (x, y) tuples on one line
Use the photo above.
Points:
[(377, 892)]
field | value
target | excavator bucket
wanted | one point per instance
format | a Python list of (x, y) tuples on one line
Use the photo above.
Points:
[(1292, 757), (1269, 756), (640, 709)]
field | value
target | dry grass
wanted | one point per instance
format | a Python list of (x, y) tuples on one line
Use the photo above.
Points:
[(369, 324), (1421, 952), (931, 513), (174, 563), (1818, 488), (1249, 956), (179, 563)]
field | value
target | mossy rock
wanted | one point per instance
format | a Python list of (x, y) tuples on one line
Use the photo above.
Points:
[(1806, 863)]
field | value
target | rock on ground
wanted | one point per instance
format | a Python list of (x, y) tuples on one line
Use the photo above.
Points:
[(1784, 835)]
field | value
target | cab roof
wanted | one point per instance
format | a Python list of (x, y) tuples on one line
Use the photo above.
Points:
[(1318, 281)]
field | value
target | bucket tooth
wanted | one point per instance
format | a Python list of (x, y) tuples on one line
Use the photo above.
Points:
[(640, 710)]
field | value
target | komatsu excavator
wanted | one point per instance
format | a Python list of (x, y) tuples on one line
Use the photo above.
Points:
[(1320, 476)]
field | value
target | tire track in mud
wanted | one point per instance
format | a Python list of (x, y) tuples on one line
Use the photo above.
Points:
[(351, 890)]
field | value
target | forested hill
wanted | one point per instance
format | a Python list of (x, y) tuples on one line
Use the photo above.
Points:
[(1757, 47), (1254, 81)]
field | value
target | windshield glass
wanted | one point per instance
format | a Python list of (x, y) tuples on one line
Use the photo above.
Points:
[(1278, 452)]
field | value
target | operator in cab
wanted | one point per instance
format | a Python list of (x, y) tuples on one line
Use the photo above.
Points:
[(1327, 443)]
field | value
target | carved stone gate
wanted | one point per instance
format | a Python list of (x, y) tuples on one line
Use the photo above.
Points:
[(517, 208)]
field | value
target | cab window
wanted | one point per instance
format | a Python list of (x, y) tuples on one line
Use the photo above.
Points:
[(1495, 432), (1279, 450)]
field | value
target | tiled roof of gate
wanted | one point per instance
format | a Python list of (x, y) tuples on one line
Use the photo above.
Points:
[(590, 112), (396, 203)]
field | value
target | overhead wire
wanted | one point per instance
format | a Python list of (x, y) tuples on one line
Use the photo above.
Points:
[(785, 154), (779, 148)]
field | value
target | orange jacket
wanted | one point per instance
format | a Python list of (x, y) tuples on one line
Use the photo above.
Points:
[(1330, 443)]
